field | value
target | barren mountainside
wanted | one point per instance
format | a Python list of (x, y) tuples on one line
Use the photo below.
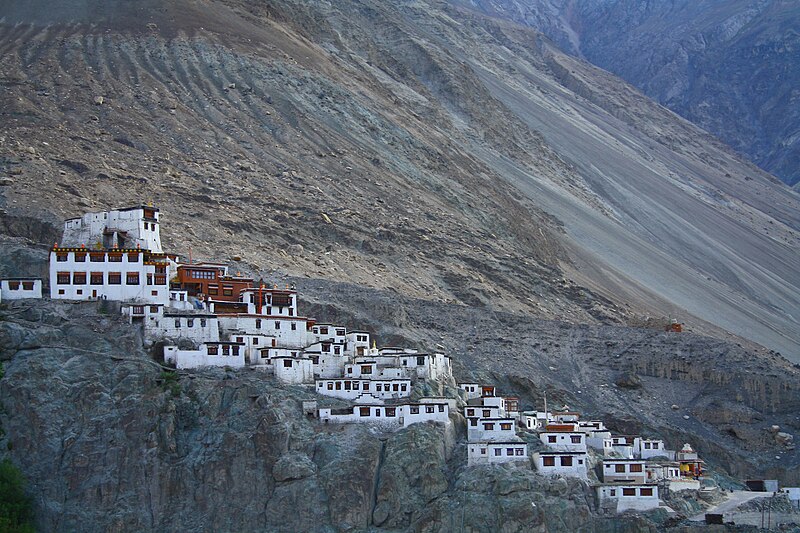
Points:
[(730, 67), (415, 146)]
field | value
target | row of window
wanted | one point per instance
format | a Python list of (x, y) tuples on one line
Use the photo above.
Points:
[(114, 278), (485, 413), (498, 452), (15, 285), (190, 322), (620, 468), (354, 385), (565, 460), (631, 491), (97, 257), (392, 411), (292, 325), (203, 274), (227, 349), (574, 439), (504, 426)]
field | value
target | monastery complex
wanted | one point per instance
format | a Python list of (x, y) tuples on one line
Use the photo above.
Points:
[(206, 316)]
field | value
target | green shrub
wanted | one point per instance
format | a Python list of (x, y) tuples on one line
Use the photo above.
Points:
[(15, 507)]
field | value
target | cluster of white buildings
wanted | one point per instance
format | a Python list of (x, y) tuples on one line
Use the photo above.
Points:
[(207, 316)]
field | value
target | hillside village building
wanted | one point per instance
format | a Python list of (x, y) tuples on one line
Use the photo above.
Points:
[(207, 316)]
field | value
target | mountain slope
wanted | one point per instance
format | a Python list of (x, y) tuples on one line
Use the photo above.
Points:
[(411, 146), (730, 67)]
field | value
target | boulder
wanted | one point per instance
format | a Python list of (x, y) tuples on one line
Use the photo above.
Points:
[(629, 380), (292, 466)]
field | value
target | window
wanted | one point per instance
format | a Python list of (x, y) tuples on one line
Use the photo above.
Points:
[(646, 492), (294, 326), (366, 386), (613, 492), (548, 461), (378, 387), (488, 426), (258, 323), (487, 413), (552, 438), (287, 363), (213, 349), (100, 257), (505, 426), (470, 412), (112, 258), (154, 309), (337, 350), (133, 257), (132, 278), (428, 408), (13, 285), (520, 451), (190, 323), (61, 292), (509, 451), (203, 324), (629, 492), (235, 350), (414, 410), (96, 278), (420, 360), (576, 439), (390, 411), (636, 468), (323, 330), (325, 346), (646, 445), (366, 369), (27, 285), (177, 322), (114, 278), (227, 291), (213, 290), (80, 257), (79, 278), (355, 385), (338, 385), (619, 469), (363, 411), (473, 422), (566, 460), (277, 324), (377, 412), (403, 387), (483, 451), (61, 257)]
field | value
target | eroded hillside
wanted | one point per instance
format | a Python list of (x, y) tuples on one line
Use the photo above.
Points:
[(415, 147)]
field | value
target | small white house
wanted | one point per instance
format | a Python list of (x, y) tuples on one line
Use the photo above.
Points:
[(564, 441), (357, 343), (131, 227), (294, 370), (229, 354), (20, 288), (569, 464), (496, 452), (628, 497), (622, 445), (624, 471), (471, 390), (647, 448), (534, 420), (492, 429)]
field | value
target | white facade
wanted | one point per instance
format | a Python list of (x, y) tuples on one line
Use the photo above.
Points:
[(567, 464), (293, 370), (622, 446), (562, 441), (197, 328), (628, 497), (484, 411), (390, 415), (496, 452), (121, 275), (435, 367), (229, 354), (20, 288), (352, 389), (624, 471), (533, 420), (181, 301), (122, 228), (253, 345), (357, 343), (290, 332)]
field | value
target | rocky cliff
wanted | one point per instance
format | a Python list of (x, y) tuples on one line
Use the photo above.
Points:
[(730, 67), (110, 441)]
